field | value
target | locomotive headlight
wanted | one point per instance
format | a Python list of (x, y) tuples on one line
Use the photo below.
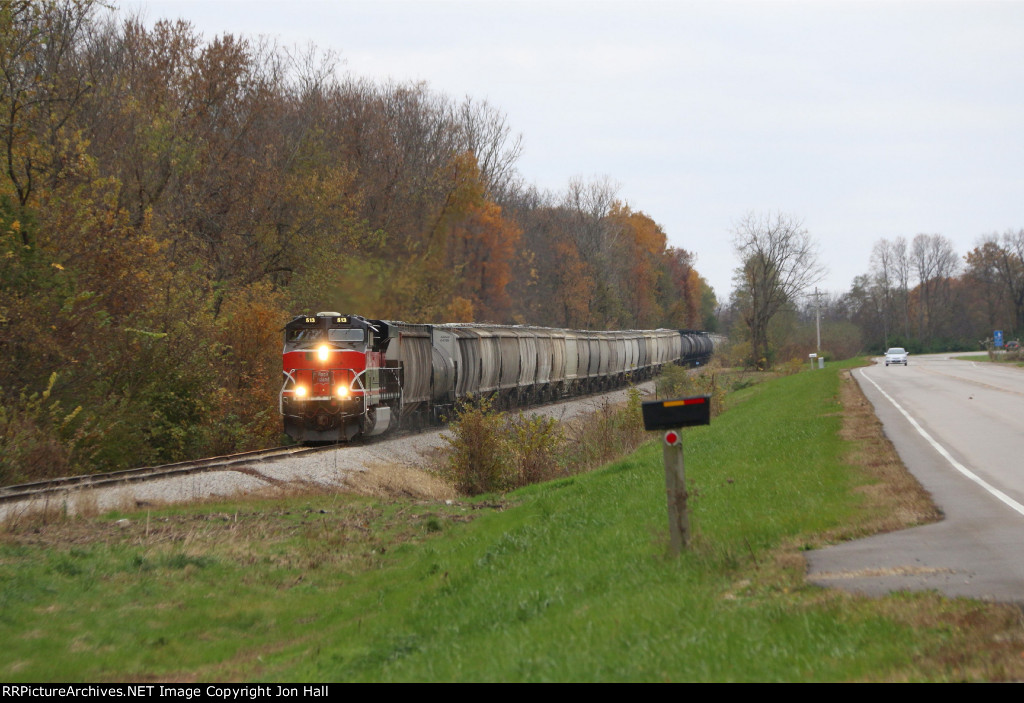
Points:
[(343, 391), (322, 351), (300, 391)]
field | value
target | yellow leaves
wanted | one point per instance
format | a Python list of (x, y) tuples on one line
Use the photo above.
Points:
[(459, 310), (49, 385), (645, 233), (57, 266)]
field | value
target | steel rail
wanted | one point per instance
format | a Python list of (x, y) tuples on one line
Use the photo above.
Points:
[(36, 489)]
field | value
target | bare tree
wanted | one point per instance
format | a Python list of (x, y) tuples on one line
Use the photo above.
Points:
[(779, 260), (935, 263), (589, 203), (882, 284), (901, 267), (488, 135), (890, 282)]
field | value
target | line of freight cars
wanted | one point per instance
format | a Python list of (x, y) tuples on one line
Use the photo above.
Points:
[(346, 376)]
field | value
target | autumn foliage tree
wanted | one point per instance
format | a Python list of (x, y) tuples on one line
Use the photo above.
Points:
[(997, 265), (168, 200)]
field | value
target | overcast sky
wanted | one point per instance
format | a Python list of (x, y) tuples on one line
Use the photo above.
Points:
[(864, 119)]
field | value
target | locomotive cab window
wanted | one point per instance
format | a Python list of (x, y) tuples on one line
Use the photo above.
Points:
[(346, 335), (305, 335)]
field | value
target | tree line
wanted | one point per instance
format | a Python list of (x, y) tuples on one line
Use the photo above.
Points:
[(918, 294), (168, 201)]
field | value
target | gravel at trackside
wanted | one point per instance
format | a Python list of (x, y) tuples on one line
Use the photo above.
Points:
[(325, 469)]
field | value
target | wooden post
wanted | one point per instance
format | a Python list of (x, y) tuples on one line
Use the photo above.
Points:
[(671, 415), (675, 491)]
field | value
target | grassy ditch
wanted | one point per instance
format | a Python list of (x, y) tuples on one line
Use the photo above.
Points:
[(562, 581)]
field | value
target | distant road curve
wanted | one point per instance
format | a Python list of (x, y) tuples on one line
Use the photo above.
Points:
[(959, 428)]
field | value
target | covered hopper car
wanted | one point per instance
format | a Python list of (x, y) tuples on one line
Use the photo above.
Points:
[(346, 375)]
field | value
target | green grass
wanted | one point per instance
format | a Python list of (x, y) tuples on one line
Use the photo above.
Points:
[(565, 581), (999, 359)]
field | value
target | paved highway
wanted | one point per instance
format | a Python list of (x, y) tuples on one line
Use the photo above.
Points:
[(959, 428)]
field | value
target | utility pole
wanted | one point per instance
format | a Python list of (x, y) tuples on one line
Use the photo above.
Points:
[(817, 307)]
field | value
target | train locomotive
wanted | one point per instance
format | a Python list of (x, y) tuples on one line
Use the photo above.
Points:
[(347, 376)]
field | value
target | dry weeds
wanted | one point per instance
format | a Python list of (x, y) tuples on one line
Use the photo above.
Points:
[(895, 498), (398, 481)]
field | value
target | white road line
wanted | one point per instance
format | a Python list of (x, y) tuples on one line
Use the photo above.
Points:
[(941, 450)]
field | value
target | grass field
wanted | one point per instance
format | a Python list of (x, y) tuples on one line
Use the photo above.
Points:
[(564, 581)]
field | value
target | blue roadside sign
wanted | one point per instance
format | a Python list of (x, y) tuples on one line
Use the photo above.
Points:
[(997, 336)]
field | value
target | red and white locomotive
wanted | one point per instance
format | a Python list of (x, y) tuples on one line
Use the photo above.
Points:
[(338, 383), (346, 375)]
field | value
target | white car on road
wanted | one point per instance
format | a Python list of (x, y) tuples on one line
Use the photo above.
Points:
[(896, 355)]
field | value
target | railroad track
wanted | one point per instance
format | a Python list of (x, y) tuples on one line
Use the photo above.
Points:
[(39, 489), (58, 487)]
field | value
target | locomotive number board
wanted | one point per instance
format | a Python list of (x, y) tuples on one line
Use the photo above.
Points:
[(334, 320)]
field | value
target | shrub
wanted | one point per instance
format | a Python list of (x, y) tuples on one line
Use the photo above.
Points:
[(606, 434), (478, 461), (679, 382), (491, 452), (38, 437), (737, 354), (533, 448)]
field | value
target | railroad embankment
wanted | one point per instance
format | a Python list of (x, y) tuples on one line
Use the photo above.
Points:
[(569, 580)]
